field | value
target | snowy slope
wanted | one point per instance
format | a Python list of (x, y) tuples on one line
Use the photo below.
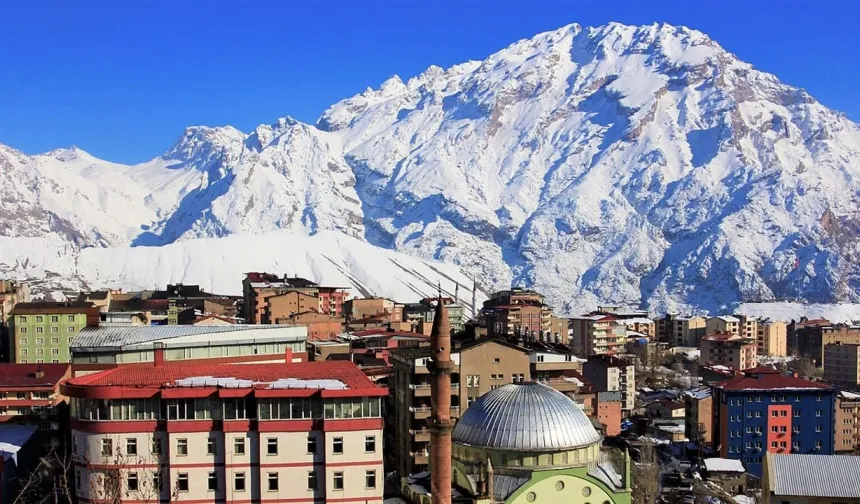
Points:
[(219, 264), (611, 164)]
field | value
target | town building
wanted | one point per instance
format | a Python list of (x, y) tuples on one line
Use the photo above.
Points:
[(728, 474), (258, 287), (698, 415), (216, 320), (321, 327), (42, 332), (723, 324), (641, 326), (519, 313), (29, 395), (99, 299), (847, 423), (358, 308), (106, 346), (666, 409), (808, 338), (747, 326), (607, 410), (762, 411), (687, 331), (810, 479), (597, 334), (149, 311), (11, 293), (497, 456), (222, 306), (728, 349), (842, 365), (609, 373), (228, 432), (282, 306), (20, 456), (551, 367), (419, 316), (771, 338)]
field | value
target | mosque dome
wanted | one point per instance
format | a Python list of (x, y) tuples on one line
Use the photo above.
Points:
[(525, 416)]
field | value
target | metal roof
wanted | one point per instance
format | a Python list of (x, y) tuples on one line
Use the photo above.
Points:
[(123, 335), (803, 475), (525, 417)]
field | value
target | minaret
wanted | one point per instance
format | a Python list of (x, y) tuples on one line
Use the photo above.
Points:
[(440, 422)]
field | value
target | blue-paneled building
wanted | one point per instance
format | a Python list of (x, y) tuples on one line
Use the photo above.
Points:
[(763, 411)]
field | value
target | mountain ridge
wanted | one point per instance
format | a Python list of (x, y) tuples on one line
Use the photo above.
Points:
[(610, 164)]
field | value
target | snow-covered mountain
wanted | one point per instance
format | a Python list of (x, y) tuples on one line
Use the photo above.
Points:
[(612, 164)]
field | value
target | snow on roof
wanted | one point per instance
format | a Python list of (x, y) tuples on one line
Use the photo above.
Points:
[(636, 320), (122, 335), (698, 394), (728, 318), (724, 465), (12, 438), (281, 383), (849, 395)]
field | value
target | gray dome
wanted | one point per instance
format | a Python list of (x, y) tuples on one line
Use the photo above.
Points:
[(526, 417)]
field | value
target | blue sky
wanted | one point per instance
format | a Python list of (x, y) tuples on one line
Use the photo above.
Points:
[(121, 79)]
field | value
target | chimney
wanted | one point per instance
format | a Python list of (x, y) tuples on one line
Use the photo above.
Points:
[(288, 355), (440, 422), (40, 373), (158, 354)]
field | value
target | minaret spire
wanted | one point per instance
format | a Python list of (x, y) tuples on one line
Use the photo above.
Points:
[(440, 422)]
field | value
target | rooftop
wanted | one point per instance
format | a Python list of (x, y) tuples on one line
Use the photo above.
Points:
[(724, 465), (803, 475), (12, 438), (725, 336), (122, 335), (24, 375), (763, 378), (303, 374), (728, 318), (39, 308)]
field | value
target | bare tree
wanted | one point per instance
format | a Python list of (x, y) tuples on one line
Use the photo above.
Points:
[(49, 481), (646, 475)]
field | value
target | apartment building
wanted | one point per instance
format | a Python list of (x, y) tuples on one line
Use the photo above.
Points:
[(842, 365), (747, 326), (257, 288), (609, 373), (698, 415), (11, 293), (282, 306), (520, 312), (847, 439), (419, 316), (42, 332), (597, 334), (106, 346), (641, 325), (29, 395), (552, 367), (762, 411), (687, 331), (724, 324), (771, 338), (287, 432), (321, 327), (358, 308), (728, 349), (805, 337)]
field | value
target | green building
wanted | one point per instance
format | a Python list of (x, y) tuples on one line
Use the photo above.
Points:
[(526, 443), (42, 332)]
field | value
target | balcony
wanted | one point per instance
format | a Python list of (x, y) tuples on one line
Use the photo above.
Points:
[(420, 412), (455, 411), (420, 458), (420, 435), (421, 389)]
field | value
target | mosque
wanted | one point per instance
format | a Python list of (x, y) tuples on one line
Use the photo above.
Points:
[(521, 443)]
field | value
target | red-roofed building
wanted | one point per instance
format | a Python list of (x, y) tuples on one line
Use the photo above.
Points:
[(229, 432), (728, 349), (597, 334), (29, 394), (761, 411)]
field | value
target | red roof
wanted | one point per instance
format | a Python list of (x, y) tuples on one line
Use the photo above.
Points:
[(382, 331), (158, 377), (24, 375), (768, 379)]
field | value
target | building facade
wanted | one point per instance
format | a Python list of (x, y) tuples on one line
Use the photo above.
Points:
[(842, 365), (687, 331), (762, 411), (723, 324), (698, 415), (29, 395), (232, 432), (728, 349), (847, 423), (257, 288), (810, 479), (42, 332), (597, 334), (613, 374), (771, 338)]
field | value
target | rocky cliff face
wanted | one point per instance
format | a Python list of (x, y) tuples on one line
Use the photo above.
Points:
[(610, 164)]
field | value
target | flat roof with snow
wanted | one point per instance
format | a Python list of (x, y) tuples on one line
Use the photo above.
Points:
[(724, 465)]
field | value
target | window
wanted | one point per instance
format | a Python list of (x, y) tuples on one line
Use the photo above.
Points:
[(210, 446), (55, 351), (817, 428), (749, 429), (782, 444), (783, 413), (55, 341), (797, 398), (70, 330), (239, 482), (749, 414), (783, 428), (40, 351), (78, 478), (55, 361), (758, 414), (182, 482), (497, 360), (312, 445), (39, 330), (774, 428), (181, 447), (795, 445), (55, 330), (74, 445), (213, 481), (107, 446), (156, 445), (797, 413), (369, 479), (818, 398), (773, 444), (818, 445), (131, 446), (749, 445), (772, 398), (55, 319), (22, 319), (337, 483), (370, 444), (23, 330), (337, 445), (22, 341), (239, 446), (540, 358), (71, 318), (774, 413), (273, 482), (795, 429), (272, 446), (39, 319), (818, 413), (132, 481), (473, 380), (312, 480), (156, 481)]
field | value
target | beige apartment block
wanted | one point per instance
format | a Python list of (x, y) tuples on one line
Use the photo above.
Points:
[(847, 417), (687, 331), (723, 324), (609, 373), (597, 334), (771, 338), (728, 349), (747, 326)]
